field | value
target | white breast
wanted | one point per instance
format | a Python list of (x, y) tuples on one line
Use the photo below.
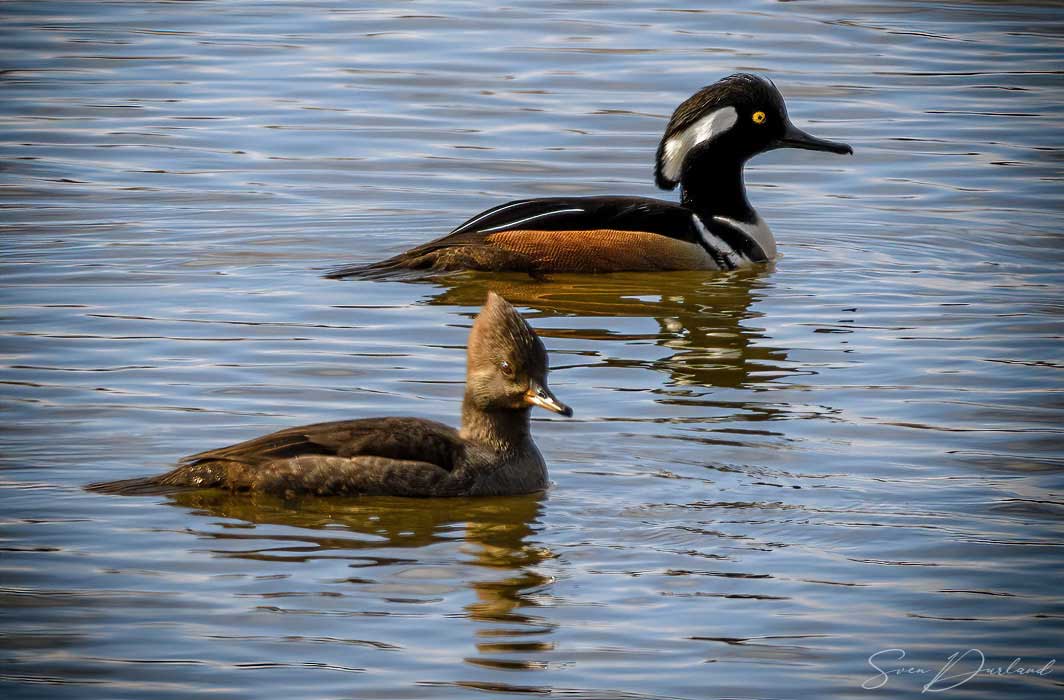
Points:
[(758, 231)]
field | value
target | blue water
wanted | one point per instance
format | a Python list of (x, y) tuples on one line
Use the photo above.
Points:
[(771, 476)]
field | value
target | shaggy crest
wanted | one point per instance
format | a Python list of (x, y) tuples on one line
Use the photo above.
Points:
[(500, 333)]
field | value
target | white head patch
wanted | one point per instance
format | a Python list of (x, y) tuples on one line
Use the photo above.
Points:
[(708, 127)]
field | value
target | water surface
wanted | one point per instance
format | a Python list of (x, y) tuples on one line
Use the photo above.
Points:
[(771, 475)]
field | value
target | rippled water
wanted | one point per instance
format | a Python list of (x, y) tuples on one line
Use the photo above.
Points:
[(771, 476)]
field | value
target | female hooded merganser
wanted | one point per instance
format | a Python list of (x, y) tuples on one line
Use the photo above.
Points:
[(492, 455), (706, 144)]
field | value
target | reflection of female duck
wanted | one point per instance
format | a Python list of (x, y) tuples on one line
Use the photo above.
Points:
[(500, 525), (495, 539)]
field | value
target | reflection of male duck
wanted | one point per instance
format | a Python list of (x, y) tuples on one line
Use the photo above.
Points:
[(700, 318)]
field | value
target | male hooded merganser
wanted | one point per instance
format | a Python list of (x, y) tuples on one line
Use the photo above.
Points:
[(492, 455), (706, 144)]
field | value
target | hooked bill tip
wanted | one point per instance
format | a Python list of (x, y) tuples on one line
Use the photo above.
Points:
[(542, 397)]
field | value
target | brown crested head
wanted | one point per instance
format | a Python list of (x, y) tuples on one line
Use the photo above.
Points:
[(507, 363)]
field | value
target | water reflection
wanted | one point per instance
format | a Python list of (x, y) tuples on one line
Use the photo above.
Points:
[(171, 177), (382, 536), (702, 318)]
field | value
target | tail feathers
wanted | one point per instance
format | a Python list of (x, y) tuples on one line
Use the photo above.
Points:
[(198, 475), (422, 263), (144, 486), (397, 267)]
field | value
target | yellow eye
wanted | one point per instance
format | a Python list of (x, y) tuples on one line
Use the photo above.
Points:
[(759, 117)]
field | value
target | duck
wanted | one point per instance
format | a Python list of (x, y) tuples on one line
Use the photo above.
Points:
[(703, 151), (492, 454)]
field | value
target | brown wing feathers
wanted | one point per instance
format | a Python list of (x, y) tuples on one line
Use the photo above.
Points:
[(391, 438), (367, 475)]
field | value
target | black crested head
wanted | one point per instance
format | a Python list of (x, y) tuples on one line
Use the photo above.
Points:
[(738, 90), (737, 117)]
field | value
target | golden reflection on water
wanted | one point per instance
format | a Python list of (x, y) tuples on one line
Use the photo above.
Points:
[(771, 475), (495, 534), (700, 316)]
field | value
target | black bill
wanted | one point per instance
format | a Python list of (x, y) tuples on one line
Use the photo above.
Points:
[(793, 137)]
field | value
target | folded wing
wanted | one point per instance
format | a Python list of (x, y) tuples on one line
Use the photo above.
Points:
[(558, 234), (397, 456)]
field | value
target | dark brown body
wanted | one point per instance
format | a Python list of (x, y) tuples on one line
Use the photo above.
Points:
[(372, 456), (492, 455)]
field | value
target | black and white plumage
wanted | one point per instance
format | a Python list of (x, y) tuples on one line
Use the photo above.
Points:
[(706, 143)]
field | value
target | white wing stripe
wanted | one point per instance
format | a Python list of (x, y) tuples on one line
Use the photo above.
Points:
[(530, 218), (469, 224)]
